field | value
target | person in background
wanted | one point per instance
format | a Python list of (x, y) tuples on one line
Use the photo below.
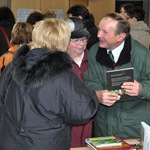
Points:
[(34, 17), (78, 52), (21, 34), (125, 8), (116, 118), (40, 95), (138, 28), (50, 14), (7, 21), (88, 20)]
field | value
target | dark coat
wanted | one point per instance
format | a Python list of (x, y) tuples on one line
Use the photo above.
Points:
[(44, 98), (7, 25), (93, 35)]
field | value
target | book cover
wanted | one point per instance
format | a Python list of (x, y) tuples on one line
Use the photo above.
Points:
[(107, 143), (115, 78)]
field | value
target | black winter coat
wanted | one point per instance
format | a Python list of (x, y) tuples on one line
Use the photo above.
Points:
[(40, 99), (7, 25), (93, 30)]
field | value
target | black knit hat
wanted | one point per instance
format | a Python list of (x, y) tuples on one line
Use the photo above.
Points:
[(77, 27)]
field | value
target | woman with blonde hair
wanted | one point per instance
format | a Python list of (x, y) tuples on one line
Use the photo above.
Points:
[(40, 95)]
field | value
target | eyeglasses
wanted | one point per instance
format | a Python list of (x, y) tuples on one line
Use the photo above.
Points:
[(78, 41)]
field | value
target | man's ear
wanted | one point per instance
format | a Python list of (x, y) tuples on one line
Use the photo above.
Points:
[(121, 36), (134, 19)]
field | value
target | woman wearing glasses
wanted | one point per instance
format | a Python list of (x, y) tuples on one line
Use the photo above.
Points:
[(83, 13), (78, 52)]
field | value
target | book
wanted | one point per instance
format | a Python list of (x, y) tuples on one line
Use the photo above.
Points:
[(135, 143), (115, 78), (145, 136), (107, 143)]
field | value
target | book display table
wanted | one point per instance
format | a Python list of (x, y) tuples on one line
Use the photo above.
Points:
[(134, 142)]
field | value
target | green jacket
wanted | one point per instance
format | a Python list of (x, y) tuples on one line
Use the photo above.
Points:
[(123, 119)]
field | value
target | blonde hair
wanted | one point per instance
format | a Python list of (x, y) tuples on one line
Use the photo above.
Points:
[(50, 14), (51, 34)]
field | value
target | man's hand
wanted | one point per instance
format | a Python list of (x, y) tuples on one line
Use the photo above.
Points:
[(132, 88), (106, 98)]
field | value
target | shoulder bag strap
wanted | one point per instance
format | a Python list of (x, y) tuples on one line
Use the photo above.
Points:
[(3, 66), (6, 37)]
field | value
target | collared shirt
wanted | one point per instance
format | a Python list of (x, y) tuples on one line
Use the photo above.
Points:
[(116, 52), (79, 62)]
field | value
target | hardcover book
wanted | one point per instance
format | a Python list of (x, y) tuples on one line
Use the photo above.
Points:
[(136, 143), (107, 143), (115, 78)]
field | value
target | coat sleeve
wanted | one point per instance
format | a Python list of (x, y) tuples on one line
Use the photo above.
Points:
[(144, 76), (80, 103), (4, 83), (140, 60)]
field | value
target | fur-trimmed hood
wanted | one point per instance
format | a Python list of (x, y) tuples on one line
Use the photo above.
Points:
[(37, 66)]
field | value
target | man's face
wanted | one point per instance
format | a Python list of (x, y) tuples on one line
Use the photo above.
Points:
[(106, 34), (131, 21)]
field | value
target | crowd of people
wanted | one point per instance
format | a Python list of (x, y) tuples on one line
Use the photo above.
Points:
[(53, 85)]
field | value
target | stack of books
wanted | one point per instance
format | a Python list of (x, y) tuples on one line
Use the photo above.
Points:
[(108, 143), (136, 143), (116, 143)]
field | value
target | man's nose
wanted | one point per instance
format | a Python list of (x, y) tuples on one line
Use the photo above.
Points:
[(99, 34)]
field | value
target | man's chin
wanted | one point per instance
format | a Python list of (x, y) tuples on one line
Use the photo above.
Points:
[(102, 45)]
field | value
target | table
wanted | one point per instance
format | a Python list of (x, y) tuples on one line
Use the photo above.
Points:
[(80, 148), (129, 141)]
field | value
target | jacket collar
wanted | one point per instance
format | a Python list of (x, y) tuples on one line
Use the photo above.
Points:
[(103, 58), (85, 55)]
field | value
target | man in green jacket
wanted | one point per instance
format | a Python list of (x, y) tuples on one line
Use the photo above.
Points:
[(116, 118)]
